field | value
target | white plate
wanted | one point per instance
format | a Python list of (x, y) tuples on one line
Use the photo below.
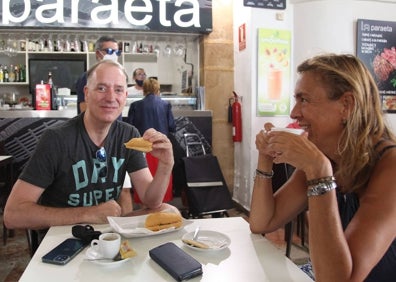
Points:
[(94, 257), (215, 240), (133, 226)]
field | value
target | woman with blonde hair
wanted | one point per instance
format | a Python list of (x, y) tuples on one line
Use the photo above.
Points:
[(345, 172)]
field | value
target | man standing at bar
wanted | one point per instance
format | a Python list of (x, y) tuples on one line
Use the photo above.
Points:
[(106, 48)]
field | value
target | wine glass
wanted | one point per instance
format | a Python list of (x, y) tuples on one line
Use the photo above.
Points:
[(167, 50)]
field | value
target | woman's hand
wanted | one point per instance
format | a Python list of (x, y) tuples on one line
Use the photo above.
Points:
[(298, 151), (265, 159)]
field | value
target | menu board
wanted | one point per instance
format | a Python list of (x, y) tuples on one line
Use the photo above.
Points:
[(376, 47)]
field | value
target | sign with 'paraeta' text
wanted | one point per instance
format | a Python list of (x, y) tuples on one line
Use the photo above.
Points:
[(188, 16)]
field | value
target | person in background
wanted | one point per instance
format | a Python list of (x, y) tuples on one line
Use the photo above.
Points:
[(106, 48), (79, 179), (138, 75), (345, 172), (152, 112)]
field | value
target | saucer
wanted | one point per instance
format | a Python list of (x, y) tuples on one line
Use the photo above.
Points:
[(93, 256), (214, 240)]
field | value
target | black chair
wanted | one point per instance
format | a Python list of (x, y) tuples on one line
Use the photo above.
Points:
[(7, 180), (282, 172), (20, 137), (33, 241)]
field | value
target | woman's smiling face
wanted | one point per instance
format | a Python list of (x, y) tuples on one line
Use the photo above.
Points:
[(321, 117)]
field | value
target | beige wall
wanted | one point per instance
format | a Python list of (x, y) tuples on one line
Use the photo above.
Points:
[(217, 75)]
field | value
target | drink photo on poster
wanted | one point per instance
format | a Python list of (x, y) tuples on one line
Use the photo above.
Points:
[(273, 72)]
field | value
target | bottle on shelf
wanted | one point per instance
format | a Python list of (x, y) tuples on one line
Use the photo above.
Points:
[(22, 73), (5, 74), (45, 49), (55, 46), (22, 45), (127, 47), (91, 46), (54, 104), (50, 46), (40, 45), (50, 82), (16, 74), (1, 74), (11, 74)]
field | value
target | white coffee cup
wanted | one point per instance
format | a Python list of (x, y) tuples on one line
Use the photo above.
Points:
[(297, 131), (108, 245)]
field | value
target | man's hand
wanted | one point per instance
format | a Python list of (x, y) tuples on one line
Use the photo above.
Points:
[(99, 213), (162, 146)]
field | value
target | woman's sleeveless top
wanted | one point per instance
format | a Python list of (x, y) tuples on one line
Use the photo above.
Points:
[(385, 270)]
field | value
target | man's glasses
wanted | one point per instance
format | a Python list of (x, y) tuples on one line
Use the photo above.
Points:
[(110, 51), (102, 159)]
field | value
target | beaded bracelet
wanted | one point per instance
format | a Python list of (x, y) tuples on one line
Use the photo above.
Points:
[(263, 174)]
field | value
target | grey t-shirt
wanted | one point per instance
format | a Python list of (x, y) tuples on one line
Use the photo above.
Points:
[(65, 164)]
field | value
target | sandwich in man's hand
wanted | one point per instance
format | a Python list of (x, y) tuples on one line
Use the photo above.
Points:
[(139, 144)]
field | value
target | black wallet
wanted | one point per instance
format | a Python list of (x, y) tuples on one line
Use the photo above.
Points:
[(175, 261)]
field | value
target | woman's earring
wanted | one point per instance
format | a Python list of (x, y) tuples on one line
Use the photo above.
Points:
[(344, 121)]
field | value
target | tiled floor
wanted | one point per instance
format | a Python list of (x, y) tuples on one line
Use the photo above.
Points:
[(14, 256)]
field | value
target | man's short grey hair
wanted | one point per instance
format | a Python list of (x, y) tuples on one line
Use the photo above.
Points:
[(109, 63)]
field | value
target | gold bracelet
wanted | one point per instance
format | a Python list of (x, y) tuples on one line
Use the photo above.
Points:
[(263, 174)]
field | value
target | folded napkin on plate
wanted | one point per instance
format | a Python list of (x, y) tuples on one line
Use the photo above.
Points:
[(133, 225)]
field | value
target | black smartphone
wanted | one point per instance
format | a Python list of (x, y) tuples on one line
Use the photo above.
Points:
[(175, 261), (64, 252)]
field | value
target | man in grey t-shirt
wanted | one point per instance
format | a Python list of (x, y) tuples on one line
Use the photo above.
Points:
[(77, 171)]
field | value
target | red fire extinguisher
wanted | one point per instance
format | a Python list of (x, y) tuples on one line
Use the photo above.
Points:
[(236, 120)]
